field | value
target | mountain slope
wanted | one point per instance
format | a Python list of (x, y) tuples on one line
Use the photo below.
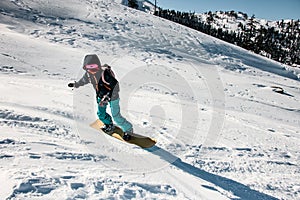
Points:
[(276, 40), (220, 118)]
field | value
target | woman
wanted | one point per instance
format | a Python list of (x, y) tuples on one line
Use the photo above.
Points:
[(107, 92)]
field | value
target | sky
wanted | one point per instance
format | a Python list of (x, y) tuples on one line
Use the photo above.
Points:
[(264, 9)]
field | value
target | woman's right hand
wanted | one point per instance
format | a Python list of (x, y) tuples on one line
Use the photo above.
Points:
[(71, 85)]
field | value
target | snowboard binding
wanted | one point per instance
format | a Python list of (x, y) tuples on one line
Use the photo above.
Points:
[(108, 128), (126, 136)]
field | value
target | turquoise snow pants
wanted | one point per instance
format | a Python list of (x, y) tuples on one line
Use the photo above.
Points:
[(116, 114)]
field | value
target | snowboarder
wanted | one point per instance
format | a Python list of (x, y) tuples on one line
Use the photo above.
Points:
[(107, 92)]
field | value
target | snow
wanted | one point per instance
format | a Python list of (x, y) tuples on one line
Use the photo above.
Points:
[(226, 120)]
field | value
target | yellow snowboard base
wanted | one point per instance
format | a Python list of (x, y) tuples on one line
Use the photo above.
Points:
[(139, 140)]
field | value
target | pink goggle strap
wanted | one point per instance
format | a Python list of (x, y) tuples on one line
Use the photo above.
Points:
[(91, 66)]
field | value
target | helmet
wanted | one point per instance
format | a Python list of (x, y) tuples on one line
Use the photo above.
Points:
[(91, 63)]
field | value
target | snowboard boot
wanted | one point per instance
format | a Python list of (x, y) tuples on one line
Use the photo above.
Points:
[(108, 128), (127, 135)]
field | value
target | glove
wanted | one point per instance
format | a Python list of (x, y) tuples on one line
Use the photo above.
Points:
[(104, 101), (71, 85)]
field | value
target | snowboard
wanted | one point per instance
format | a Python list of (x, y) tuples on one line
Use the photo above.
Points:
[(139, 140)]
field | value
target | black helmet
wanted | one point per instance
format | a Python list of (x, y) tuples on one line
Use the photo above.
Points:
[(91, 59)]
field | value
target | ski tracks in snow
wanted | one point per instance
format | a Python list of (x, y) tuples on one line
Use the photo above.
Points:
[(45, 123)]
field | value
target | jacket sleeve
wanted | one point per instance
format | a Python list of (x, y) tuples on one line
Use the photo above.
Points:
[(83, 81)]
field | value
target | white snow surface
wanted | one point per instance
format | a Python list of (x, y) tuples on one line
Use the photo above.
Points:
[(226, 120)]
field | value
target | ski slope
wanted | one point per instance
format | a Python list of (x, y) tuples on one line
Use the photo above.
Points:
[(226, 120)]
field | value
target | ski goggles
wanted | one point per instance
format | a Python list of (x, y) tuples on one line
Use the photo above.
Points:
[(91, 67)]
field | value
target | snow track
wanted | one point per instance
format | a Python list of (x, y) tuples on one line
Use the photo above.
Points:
[(226, 120)]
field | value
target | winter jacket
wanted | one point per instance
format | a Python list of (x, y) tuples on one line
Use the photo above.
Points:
[(109, 86), (103, 81)]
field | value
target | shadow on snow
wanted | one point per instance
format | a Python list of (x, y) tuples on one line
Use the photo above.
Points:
[(239, 190)]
